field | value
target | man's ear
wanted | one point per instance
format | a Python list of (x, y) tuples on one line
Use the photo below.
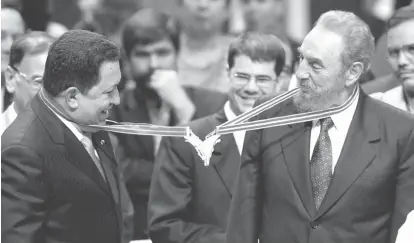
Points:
[(10, 77), (354, 73), (72, 96)]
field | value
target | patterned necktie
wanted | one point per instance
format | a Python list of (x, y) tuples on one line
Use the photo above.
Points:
[(321, 163), (87, 143)]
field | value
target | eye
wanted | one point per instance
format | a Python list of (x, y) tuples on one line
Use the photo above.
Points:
[(315, 65), (300, 57)]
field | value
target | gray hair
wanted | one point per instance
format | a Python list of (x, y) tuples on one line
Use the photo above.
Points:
[(357, 36)]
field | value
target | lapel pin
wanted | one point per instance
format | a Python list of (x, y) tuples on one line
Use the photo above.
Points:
[(102, 142)]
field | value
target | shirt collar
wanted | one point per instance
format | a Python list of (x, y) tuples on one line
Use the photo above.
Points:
[(75, 129), (343, 119), (229, 112)]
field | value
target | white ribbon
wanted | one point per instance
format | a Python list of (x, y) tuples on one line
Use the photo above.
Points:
[(205, 148)]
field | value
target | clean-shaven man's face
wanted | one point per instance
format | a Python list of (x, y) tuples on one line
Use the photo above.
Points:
[(249, 80)]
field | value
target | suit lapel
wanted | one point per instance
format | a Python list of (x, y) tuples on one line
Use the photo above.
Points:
[(77, 154), (226, 161), (357, 153), (70, 145), (295, 146), (226, 157), (104, 149)]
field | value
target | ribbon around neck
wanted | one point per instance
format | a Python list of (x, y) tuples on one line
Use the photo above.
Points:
[(205, 148)]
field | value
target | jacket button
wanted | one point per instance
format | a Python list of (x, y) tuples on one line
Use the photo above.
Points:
[(314, 225)]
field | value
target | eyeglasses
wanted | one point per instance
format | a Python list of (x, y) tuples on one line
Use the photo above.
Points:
[(262, 81), (408, 51), (35, 79)]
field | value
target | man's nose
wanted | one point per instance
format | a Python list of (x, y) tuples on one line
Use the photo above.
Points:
[(402, 59), (302, 73), (251, 86), (154, 61)]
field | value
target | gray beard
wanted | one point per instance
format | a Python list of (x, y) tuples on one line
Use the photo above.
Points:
[(316, 102)]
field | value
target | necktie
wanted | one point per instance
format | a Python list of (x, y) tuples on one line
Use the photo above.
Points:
[(87, 143), (321, 163)]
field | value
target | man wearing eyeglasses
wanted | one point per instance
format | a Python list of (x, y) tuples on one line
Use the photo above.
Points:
[(24, 73), (188, 201), (401, 57)]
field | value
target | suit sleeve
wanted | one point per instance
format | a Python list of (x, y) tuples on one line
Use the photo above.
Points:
[(404, 201), (23, 194), (169, 210)]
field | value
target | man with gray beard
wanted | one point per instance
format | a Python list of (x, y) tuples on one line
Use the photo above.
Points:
[(345, 178)]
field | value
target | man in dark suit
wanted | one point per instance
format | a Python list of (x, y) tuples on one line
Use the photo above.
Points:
[(61, 183), (346, 178), (189, 202), (155, 95)]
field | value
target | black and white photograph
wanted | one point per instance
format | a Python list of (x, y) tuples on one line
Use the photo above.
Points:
[(207, 121)]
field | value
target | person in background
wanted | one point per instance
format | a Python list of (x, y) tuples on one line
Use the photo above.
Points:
[(400, 40), (189, 202), (344, 178), (201, 60), (150, 40), (88, 9), (270, 16), (60, 182), (12, 26), (24, 74)]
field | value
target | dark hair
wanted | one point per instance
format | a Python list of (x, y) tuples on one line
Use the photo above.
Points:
[(74, 60), (259, 48), (148, 26), (32, 43), (401, 15)]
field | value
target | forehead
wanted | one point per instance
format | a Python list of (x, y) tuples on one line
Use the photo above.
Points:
[(243, 63), (322, 44), (155, 46), (401, 34), (33, 64)]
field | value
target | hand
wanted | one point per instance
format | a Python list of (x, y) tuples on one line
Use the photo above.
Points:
[(167, 85)]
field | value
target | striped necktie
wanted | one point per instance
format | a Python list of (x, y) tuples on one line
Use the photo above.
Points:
[(87, 143)]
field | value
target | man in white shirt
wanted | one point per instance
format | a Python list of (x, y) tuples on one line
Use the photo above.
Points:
[(400, 40), (345, 178), (188, 201), (24, 73)]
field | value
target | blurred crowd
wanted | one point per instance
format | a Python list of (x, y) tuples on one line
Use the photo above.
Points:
[(175, 63)]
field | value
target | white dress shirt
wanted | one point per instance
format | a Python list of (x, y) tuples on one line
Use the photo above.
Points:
[(238, 136), (7, 117), (75, 129), (337, 133), (405, 233)]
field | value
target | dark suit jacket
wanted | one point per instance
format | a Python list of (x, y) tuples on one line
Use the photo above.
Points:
[(382, 84), (136, 153), (189, 202), (51, 189), (371, 192)]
